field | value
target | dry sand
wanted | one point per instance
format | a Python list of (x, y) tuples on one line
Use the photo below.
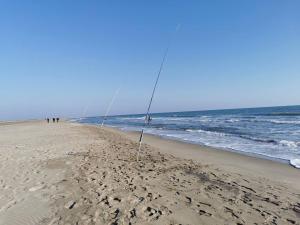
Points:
[(68, 173)]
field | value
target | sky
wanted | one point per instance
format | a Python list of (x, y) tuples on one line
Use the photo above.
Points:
[(68, 58)]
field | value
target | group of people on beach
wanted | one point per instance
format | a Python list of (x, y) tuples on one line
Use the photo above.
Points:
[(53, 120)]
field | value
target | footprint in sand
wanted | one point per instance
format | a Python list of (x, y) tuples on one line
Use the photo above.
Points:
[(29, 212), (35, 188)]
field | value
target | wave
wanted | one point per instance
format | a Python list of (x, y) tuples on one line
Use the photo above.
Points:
[(295, 163), (232, 120), (230, 134), (206, 132), (257, 120), (270, 141), (285, 121), (291, 144)]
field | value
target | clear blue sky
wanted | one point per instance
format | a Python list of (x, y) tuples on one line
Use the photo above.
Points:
[(60, 57)]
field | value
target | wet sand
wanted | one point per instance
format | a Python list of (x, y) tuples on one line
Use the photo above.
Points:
[(69, 173), (227, 160)]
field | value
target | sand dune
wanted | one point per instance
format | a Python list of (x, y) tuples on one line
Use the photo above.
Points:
[(74, 174)]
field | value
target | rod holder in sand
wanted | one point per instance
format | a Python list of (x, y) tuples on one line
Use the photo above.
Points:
[(140, 145)]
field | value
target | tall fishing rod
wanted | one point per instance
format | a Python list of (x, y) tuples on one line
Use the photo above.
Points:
[(110, 105), (84, 111), (147, 117)]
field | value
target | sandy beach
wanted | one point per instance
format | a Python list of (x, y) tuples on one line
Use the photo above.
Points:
[(69, 173)]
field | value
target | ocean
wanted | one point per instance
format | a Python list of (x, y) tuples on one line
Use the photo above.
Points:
[(272, 132)]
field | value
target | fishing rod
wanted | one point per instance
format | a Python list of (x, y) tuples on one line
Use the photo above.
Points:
[(84, 111), (109, 106), (147, 117)]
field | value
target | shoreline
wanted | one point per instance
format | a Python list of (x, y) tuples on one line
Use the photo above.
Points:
[(254, 155), (250, 154), (232, 161)]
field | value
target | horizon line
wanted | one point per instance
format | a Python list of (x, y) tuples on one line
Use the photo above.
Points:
[(202, 110)]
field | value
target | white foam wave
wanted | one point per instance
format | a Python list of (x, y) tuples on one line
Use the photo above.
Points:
[(232, 120), (295, 163), (261, 120), (285, 121), (206, 132), (291, 144)]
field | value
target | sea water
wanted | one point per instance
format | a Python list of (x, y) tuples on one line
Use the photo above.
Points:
[(272, 132)]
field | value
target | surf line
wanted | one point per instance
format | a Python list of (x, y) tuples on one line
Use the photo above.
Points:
[(109, 106), (147, 114)]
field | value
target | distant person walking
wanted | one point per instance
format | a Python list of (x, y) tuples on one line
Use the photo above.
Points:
[(53, 120), (48, 120), (57, 119)]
